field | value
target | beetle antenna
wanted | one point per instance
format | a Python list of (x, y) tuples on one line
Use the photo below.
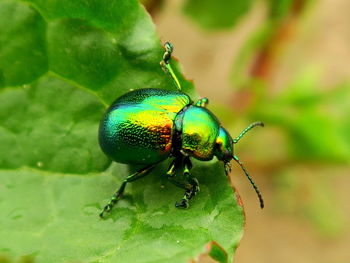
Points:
[(166, 65), (251, 126), (261, 200)]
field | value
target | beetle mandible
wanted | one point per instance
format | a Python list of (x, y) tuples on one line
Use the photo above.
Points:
[(147, 126)]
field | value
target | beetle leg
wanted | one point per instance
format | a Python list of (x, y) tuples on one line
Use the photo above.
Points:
[(192, 180), (203, 102), (133, 177), (174, 164), (164, 63), (177, 162), (192, 186)]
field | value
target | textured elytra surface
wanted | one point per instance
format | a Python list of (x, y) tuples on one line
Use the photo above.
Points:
[(138, 128), (61, 64)]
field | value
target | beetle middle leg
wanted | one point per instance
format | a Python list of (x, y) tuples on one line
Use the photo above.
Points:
[(133, 177), (166, 65), (190, 184)]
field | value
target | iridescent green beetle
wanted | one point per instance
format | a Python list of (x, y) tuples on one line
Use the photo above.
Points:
[(147, 126)]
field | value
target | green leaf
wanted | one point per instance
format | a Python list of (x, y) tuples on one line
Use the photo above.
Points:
[(22, 43), (213, 15), (57, 219), (61, 64)]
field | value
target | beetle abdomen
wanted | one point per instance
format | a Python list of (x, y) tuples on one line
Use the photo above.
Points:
[(138, 127)]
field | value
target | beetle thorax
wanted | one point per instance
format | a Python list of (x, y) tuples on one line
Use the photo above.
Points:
[(199, 130)]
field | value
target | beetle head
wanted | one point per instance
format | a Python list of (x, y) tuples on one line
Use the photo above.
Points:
[(224, 146), (224, 152)]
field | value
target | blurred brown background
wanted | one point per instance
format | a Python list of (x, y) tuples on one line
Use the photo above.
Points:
[(306, 55)]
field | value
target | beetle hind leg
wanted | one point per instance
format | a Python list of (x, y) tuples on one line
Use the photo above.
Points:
[(133, 177)]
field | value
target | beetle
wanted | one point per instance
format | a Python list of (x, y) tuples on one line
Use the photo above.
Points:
[(147, 126)]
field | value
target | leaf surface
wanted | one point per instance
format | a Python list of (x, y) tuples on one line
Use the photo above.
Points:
[(61, 64)]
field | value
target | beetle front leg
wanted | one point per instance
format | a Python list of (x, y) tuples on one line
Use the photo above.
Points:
[(133, 177), (191, 186), (174, 165), (203, 102)]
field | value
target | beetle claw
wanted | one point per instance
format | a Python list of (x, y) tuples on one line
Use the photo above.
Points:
[(182, 204)]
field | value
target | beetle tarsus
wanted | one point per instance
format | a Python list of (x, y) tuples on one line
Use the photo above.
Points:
[(166, 65), (189, 193), (115, 198), (168, 51), (183, 203), (191, 186)]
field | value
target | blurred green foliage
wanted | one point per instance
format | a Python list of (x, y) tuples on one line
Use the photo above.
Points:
[(312, 119), (220, 14), (278, 9), (308, 192), (225, 14), (307, 123)]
